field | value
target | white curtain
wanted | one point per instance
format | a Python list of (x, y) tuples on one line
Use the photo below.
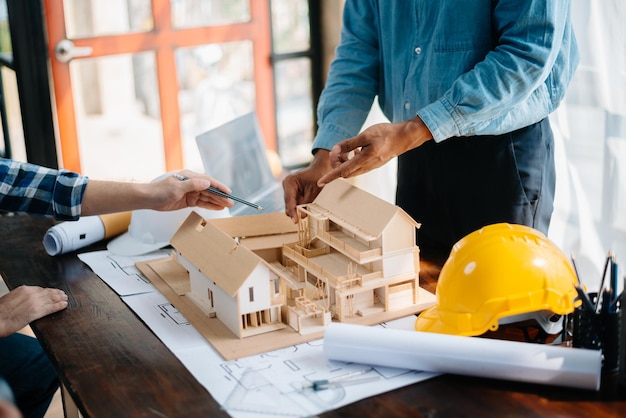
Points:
[(590, 133)]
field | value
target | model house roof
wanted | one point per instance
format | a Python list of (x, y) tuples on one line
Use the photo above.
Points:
[(215, 253), (264, 224), (346, 203)]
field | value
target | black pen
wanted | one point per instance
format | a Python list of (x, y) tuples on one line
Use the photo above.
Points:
[(614, 282), (221, 193), (606, 265), (614, 272)]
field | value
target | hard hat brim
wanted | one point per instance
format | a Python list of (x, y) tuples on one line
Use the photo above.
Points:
[(429, 321)]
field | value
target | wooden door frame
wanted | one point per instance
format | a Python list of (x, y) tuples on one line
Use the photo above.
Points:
[(163, 40)]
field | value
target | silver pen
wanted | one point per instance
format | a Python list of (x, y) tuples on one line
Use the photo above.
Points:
[(221, 193)]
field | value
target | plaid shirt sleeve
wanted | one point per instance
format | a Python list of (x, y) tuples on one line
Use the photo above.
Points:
[(39, 190)]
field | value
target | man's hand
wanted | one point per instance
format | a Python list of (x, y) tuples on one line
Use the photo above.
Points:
[(373, 147), (25, 304), (301, 187), (168, 193), (171, 193)]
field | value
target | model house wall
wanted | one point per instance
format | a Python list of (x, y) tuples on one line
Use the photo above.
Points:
[(227, 279)]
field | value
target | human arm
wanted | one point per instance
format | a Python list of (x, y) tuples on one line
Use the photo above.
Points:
[(34, 189), (459, 85), (25, 304), (344, 103), (517, 81), (165, 194), (66, 195), (465, 68), (301, 187), (374, 147)]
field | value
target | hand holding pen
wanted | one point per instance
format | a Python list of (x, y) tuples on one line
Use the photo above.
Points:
[(162, 194), (221, 193)]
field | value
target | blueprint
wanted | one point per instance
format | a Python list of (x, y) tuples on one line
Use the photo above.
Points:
[(296, 381)]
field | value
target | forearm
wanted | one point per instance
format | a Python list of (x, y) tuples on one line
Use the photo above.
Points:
[(166, 193), (107, 197), (411, 134)]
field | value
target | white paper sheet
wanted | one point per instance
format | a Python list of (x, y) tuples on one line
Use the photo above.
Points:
[(119, 271), (273, 383), (265, 385), (509, 360)]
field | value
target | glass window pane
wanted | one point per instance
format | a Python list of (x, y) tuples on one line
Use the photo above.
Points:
[(294, 109), (84, 18), (193, 13), (14, 114), (118, 116), (290, 25), (216, 84)]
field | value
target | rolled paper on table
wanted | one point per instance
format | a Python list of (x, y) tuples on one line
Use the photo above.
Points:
[(471, 356), (72, 235)]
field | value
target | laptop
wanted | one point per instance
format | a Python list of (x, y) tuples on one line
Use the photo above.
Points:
[(235, 154)]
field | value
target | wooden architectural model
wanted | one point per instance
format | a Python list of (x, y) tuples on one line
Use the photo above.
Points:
[(353, 259)]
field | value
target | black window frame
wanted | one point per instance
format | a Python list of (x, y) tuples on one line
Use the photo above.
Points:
[(29, 60)]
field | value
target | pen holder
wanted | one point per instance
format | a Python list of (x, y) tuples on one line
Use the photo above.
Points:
[(611, 346), (601, 331)]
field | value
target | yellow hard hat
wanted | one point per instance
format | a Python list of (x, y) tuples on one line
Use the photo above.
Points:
[(500, 271)]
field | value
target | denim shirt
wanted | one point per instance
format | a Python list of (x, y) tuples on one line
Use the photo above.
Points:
[(465, 67)]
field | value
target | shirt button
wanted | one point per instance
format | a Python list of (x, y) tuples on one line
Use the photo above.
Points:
[(407, 105), (418, 50)]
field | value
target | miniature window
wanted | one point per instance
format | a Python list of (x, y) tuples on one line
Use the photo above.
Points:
[(201, 225), (251, 293)]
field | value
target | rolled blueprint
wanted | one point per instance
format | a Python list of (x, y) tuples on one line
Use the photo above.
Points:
[(72, 235), (472, 356)]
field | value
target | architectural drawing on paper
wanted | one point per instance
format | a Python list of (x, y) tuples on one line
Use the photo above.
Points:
[(352, 259)]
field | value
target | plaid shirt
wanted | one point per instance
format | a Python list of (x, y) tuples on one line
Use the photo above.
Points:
[(39, 190)]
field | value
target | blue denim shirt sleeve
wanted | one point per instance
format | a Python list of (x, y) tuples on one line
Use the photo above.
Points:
[(352, 82), (465, 67), (40, 190)]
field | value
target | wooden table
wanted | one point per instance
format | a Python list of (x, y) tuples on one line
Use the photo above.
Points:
[(112, 365)]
